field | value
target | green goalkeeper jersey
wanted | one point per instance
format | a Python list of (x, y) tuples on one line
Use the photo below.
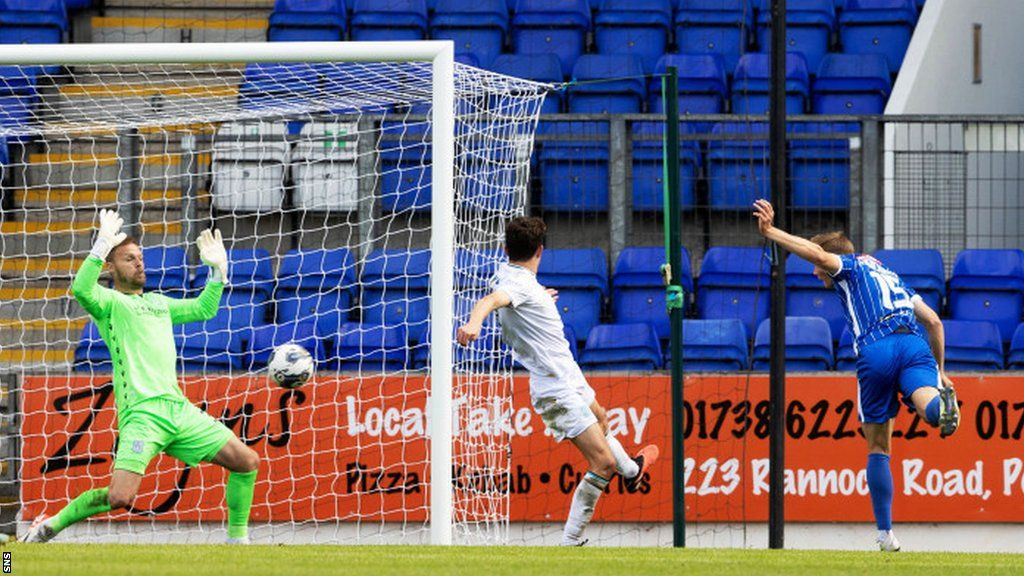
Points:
[(138, 331)]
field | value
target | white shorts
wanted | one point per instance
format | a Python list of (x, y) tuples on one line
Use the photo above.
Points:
[(563, 406)]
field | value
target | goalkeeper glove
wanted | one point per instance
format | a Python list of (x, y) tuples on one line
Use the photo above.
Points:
[(110, 234), (213, 254)]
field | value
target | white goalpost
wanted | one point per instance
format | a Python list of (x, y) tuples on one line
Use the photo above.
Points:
[(331, 167)]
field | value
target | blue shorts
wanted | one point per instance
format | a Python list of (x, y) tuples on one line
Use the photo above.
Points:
[(898, 363)]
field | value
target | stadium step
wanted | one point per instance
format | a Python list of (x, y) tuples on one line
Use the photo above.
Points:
[(180, 24), (62, 169), (36, 267), (87, 197), (83, 225), (37, 358)]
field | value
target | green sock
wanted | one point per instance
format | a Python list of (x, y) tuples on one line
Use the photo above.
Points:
[(239, 496), (86, 504)]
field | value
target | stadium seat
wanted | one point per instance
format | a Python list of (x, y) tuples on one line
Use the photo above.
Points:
[(405, 157), (609, 84), (638, 27), (851, 84), (638, 291), (210, 347), (714, 346), (313, 282), (581, 278), (166, 269), (485, 354), (537, 67), (33, 22), (1016, 358), (574, 173), (807, 296), (249, 163), (738, 166), (394, 284), (972, 345), (391, 20), (988, 285), (808, 344), (921, 270), (622, 347), (649, 169), (714, 26), (249, 287), (266, 338), (477, 27), (733, 283), (367, 348), (703, 86), (277, 84), (18, 95), (846, 357), (91, 353), (819, 169), (307, 20), (556, 27), (809, 28), (751, 85), (324, 167), (878, 27)]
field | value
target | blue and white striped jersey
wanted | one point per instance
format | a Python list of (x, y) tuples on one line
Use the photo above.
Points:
[(875, 299)]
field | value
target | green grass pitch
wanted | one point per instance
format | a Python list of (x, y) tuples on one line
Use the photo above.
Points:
[(138, 560)]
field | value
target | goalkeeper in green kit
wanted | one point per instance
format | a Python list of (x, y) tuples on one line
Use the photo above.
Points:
[(153, 414)]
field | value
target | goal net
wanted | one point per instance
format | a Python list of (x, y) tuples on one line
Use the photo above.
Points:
[(362, 222)]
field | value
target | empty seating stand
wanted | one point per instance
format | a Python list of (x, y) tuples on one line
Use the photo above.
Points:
[(313, 283), (649, 167), (851, 84), (538, 67), (367, 348), (558, 27), (573, 166), (637, 27), (246, 299), (733, 283), (809, 28), (638, 291), (703, 85), (713, 346), (972, 345), (249, 163), (32, 21), (846, 357), (394, 288), (477, 27), (211, 346), (807, 296), (266, 338), (714, 26), (18, 95), (988, 285), (391, 20), (819, 169), (808, 344), (307, 20), (622, 347), (166, 269), (737, 165), (751, 86), (581, 278), (610, 84), (921, 270), (405, 156), (878, 27), (1016, 358)]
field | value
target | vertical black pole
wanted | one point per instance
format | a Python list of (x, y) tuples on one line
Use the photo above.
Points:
[(777, 377), (675, 312)]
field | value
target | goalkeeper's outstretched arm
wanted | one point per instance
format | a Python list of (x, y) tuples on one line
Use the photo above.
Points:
[(470, 331), (86, 288), (204, 306)]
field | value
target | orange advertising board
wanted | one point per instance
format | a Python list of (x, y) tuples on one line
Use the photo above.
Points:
[(355, 448)]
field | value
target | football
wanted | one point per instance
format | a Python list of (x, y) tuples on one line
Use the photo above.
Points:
[(290, 365)]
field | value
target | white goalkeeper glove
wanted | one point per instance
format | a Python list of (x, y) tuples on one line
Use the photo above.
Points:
[(213, 254), (110, 234)]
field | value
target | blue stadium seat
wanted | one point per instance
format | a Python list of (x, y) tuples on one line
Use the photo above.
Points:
[(809, 28), (751, 85), (249, 287), (638, 291), (1016, 359), (367, 348), (405, 181), (819, 169), (638, 27), (556, 27), (846, 357), (878, 27), (18, 95), (738, 166), (266, 338), (307, 20), (476, 26), (209, 347), (91, 353), (270, 84), (649, 167), (395, 284), (921, 270), (714, 346), (622, 347), (714, 27), (988, 285), (808, 344), (972, 345), (166, 269), (733, 283), (574, 173), (33, 22), (391, 20), (312, 282), (703, 86), (610, 84), (581, 278), (851, 84), (538, 67), (807, 296)]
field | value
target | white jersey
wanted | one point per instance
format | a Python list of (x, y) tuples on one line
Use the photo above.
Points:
[(532, 327)]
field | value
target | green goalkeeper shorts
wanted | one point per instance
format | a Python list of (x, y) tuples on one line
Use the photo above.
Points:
[(174, 427)]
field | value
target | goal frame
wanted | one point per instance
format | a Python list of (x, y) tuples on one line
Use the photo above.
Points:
[(441, 55)]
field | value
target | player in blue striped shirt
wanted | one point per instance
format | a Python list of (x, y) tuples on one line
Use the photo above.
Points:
[(894, 357)]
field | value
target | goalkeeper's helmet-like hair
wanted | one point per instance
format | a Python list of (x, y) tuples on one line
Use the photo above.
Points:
[(126, 242), (523, 236), (834, 242)]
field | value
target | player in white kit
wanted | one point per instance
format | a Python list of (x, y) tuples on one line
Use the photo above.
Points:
[(560, 394)]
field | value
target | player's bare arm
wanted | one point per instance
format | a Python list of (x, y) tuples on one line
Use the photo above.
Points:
[(470, 331), (809, 251)]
